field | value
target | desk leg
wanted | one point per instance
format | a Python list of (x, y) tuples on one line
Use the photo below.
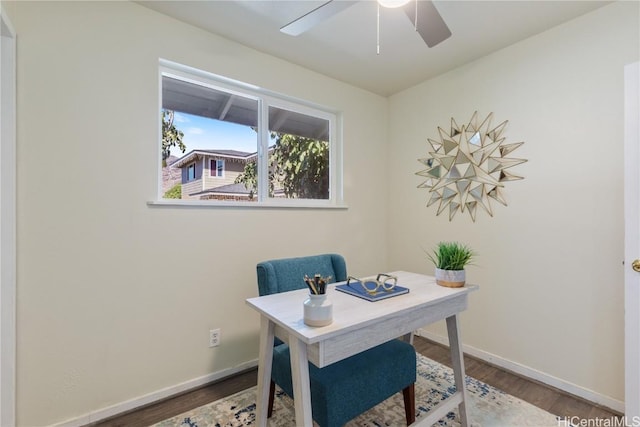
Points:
[(457, 359), (301, 385), (265, 359)]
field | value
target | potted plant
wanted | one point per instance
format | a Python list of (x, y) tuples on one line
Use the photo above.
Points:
[(450, 259)]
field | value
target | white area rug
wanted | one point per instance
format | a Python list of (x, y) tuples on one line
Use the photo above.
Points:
[(489, 407)]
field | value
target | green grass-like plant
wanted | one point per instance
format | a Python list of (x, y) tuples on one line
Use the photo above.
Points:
[(451, 256), (174, 192)]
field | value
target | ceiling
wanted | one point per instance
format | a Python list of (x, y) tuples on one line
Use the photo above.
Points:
[(344, 45)]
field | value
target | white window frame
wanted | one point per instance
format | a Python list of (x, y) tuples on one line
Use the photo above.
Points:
[(212, 170), (265, 100)]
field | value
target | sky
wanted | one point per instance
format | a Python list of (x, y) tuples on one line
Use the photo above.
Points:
[(208, 134)]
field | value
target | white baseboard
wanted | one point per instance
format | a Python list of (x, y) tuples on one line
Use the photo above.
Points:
[(138, 402), (517, 368), (525, 371)]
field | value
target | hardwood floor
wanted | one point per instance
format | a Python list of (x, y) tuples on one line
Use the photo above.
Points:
[(543, 396)]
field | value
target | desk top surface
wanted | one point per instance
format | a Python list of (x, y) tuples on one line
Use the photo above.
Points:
[(350, 312)]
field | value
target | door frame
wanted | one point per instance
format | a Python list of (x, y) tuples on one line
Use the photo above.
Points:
[(7, 221), (632, 239)]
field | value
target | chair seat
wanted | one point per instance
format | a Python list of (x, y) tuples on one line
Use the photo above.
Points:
[(347, 388)]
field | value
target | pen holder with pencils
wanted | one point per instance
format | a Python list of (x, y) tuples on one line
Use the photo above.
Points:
[(318, 310)]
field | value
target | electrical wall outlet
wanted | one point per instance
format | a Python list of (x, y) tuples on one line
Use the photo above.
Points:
[(214, 337)]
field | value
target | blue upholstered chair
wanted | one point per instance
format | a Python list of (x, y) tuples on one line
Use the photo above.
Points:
[(345, 389)]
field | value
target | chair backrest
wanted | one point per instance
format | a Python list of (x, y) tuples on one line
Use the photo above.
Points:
[(287, 274)]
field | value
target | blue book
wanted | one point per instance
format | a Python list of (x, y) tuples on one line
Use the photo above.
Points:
[(356, 289)]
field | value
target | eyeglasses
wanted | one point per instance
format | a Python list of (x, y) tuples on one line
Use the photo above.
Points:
[(371, 286)]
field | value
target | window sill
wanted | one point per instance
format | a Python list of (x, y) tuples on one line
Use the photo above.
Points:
[(281, 204)]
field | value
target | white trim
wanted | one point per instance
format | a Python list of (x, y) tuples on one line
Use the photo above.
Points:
[(534, 374), (155, 396), (203, 174), (631, 239), (282, 203), (159, 189), (7, 221), (263, 153)]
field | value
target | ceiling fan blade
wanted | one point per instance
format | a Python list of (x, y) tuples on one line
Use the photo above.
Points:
[(317, 15), (430, 24)]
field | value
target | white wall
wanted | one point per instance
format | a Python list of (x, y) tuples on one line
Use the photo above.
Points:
[(115, 298), (550, 263)]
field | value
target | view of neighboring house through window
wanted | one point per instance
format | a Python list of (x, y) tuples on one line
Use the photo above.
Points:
[(226, 141)]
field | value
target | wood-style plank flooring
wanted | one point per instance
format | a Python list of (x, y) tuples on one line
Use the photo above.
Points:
[(543, 396)]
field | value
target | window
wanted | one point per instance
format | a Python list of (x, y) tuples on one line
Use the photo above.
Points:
[(216, 167), (191, 172), (260, 148)]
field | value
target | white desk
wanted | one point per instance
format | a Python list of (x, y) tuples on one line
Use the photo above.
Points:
[(357, 326)]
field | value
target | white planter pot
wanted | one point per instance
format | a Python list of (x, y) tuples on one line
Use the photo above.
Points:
[(450, 278), (318, 310)]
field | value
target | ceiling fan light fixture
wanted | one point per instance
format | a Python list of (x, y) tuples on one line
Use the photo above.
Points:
[(392, 3)]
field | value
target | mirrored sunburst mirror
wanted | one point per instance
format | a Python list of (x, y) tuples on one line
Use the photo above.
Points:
[(466, 167)]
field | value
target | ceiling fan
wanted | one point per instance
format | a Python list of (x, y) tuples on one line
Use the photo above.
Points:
[(422, 13)]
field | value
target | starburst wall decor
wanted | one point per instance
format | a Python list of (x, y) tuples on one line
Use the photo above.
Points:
[(467, 167)]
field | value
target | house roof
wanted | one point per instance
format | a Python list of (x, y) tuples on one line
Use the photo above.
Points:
[(229, 154), (232, 189), (237, 189)]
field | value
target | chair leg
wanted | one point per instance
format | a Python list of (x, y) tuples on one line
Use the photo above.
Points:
[(272, 392), (409, 395)]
